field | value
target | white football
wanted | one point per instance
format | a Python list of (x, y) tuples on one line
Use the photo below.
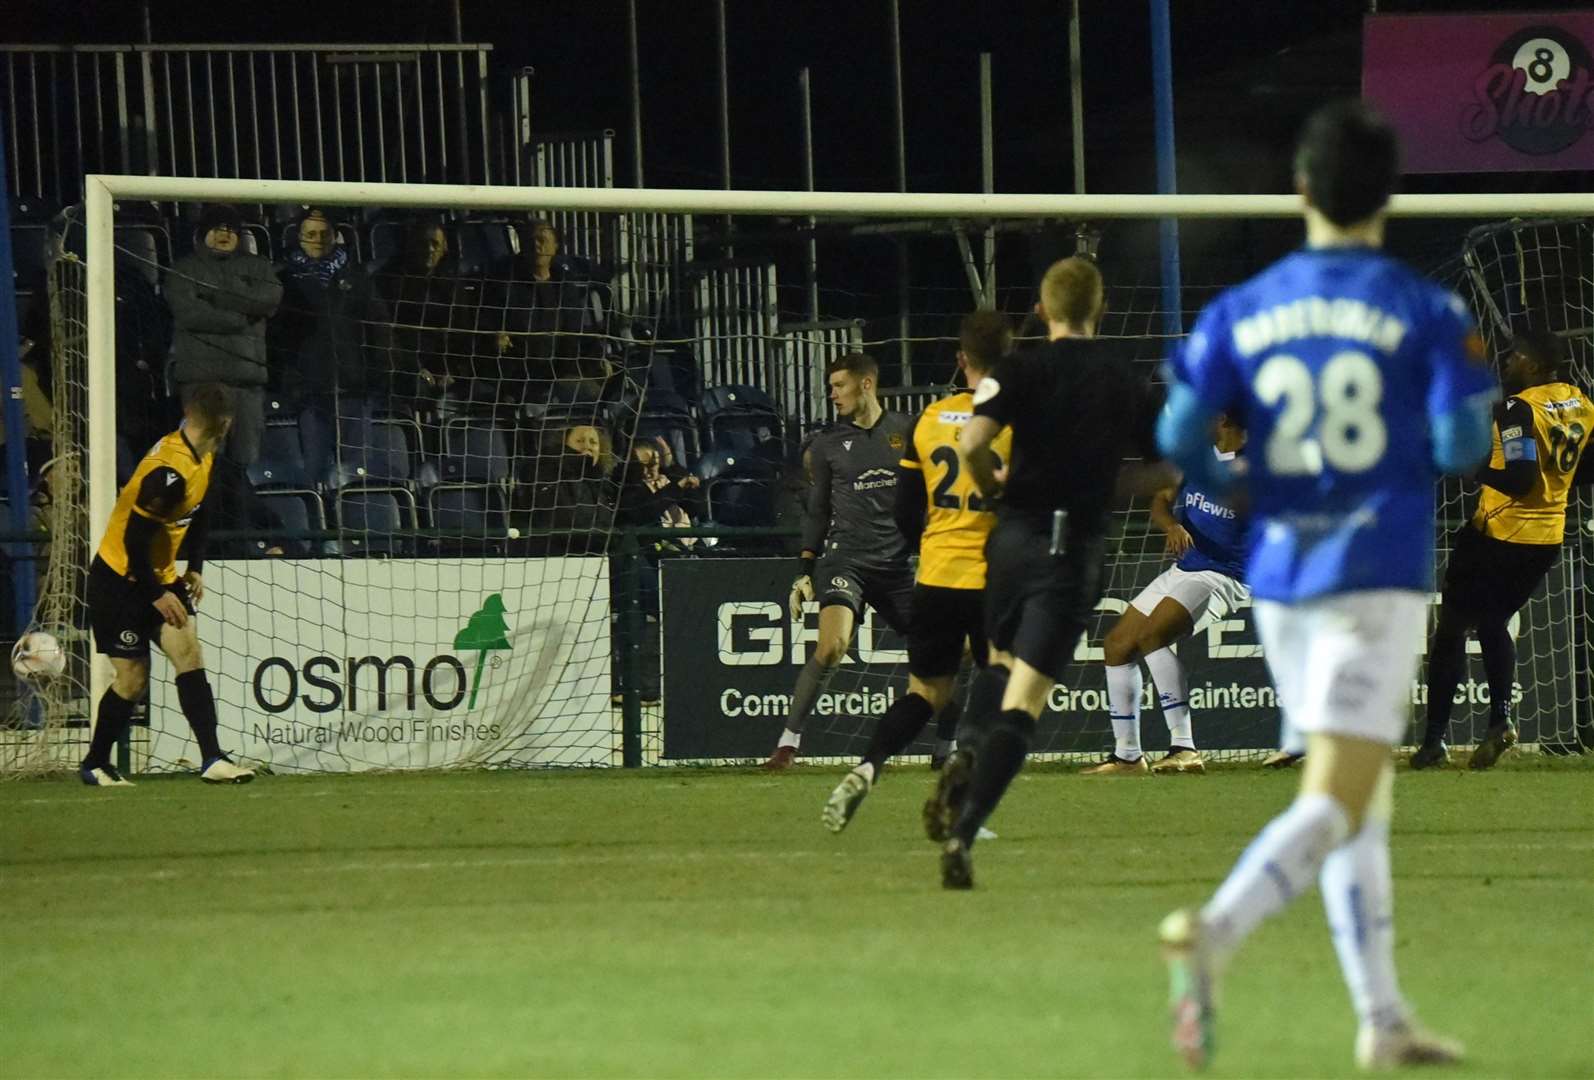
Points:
[(38, 656)]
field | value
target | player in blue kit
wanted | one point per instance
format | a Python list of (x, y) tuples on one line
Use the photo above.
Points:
[(1358, 383), (1207, 536)]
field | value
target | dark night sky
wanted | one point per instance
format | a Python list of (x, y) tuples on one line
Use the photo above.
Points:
[(1244, 76)]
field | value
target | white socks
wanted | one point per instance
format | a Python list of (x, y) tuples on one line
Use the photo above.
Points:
[(1173, 694), (1123, 708), (789, 737), (1359, 898), (1281, 863)]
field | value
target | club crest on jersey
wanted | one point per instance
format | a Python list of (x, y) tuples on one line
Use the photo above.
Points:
[(894, 441), (840, 583), (846, 444)]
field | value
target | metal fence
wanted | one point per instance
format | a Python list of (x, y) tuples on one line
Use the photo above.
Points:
[(801, 391), (736, 316), (404, 113)]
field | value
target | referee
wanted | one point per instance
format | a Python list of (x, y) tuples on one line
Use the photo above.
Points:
[(1070, 404)]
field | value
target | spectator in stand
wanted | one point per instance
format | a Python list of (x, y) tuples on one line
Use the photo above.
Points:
[(553, 350), (570, 486), (418, 290), (656, 491), (220, 297), (330, 342)]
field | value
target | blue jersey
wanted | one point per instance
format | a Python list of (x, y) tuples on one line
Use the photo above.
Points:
[(1217, 532), (1335, 359)]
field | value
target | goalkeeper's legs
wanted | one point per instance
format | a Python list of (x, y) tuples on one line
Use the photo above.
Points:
[(1447, 662), (181, 646), (835, 634)]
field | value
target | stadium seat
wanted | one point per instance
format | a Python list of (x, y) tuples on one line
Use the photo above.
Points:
[(378, 520), (742, 420), (483, 245), (476, 514), (296, 510), (679, 434), (474, 452), (739, 488), (375, 453), (281, 461)]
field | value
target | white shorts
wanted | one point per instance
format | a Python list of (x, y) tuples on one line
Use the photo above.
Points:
[(1344, 664), (1203, 593)]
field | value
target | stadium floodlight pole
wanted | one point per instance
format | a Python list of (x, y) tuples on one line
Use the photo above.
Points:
[(987, 179), (634, 52), (22, 570), (725, 113), (899, 137), (1076, 96), (805, 97), (1167, 178)]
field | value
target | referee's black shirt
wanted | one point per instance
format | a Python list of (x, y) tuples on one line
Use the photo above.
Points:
[(1077, 410)]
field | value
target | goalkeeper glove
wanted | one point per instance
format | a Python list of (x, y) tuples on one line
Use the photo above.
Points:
[(802, 590)]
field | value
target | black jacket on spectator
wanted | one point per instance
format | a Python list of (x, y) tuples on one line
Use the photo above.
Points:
[(220, 304), (570, 492), (333, 333)]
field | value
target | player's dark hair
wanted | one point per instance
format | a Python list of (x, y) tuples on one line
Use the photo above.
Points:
[(859, 364), (210, 404), (1546, 350), (1072, 292), (1348, 160), (985, 337)]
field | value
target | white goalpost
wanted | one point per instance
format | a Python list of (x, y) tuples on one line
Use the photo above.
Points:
[(103, 193)]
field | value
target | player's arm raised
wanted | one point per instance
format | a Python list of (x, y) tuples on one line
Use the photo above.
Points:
[(1513, 420), (1203, 380)]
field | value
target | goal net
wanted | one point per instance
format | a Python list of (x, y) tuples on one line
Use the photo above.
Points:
[(521, 472)]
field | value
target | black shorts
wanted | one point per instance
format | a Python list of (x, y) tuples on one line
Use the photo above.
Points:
[(889, 590), (1038, 604), (124, 621), (943, 620), (1493, 577)]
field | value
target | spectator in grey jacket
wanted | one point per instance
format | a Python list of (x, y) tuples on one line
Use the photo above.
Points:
[(221, 297)]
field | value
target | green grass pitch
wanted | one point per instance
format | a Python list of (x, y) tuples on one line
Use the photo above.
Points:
[(701, 923)]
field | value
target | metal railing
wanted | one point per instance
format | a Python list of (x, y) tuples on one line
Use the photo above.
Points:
[(404, 113)]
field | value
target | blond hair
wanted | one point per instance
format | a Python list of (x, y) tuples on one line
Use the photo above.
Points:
[(1072, 293)]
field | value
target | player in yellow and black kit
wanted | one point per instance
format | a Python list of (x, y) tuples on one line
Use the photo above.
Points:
[(135, 593), (1541, 435), (940, 513)]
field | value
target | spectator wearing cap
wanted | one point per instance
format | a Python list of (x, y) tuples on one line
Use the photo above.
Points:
[(221, 296)]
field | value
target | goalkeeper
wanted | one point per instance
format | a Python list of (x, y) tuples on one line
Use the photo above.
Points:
[(135, 594), (853, 553)]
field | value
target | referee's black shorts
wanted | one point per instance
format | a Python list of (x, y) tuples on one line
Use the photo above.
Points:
[(1038, 604), (853, 583), (1494, 578), (123, 619), (943, 621)]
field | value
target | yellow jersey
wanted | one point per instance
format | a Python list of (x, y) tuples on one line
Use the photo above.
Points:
[(1551, 423), (166, 488), (952, 550)]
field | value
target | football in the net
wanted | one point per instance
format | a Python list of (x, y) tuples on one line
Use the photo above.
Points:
[(38, 656)]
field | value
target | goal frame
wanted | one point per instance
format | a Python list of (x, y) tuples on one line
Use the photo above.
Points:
[(101, 192)]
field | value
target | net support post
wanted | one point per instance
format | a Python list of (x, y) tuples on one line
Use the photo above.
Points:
[(630, 642), (16, 461), (100, 272)]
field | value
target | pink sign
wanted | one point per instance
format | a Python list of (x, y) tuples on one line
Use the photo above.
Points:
[(1484, 93)]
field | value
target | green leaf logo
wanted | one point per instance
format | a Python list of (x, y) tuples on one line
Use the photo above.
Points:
[(486, 631)]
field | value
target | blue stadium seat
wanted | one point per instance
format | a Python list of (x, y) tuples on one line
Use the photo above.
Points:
[(739, 488), (476, 513), (378, 520), (378, 453), (475, 452), (281, 461), (742, 419), (482, 245), (681, 435), (296, 511)]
